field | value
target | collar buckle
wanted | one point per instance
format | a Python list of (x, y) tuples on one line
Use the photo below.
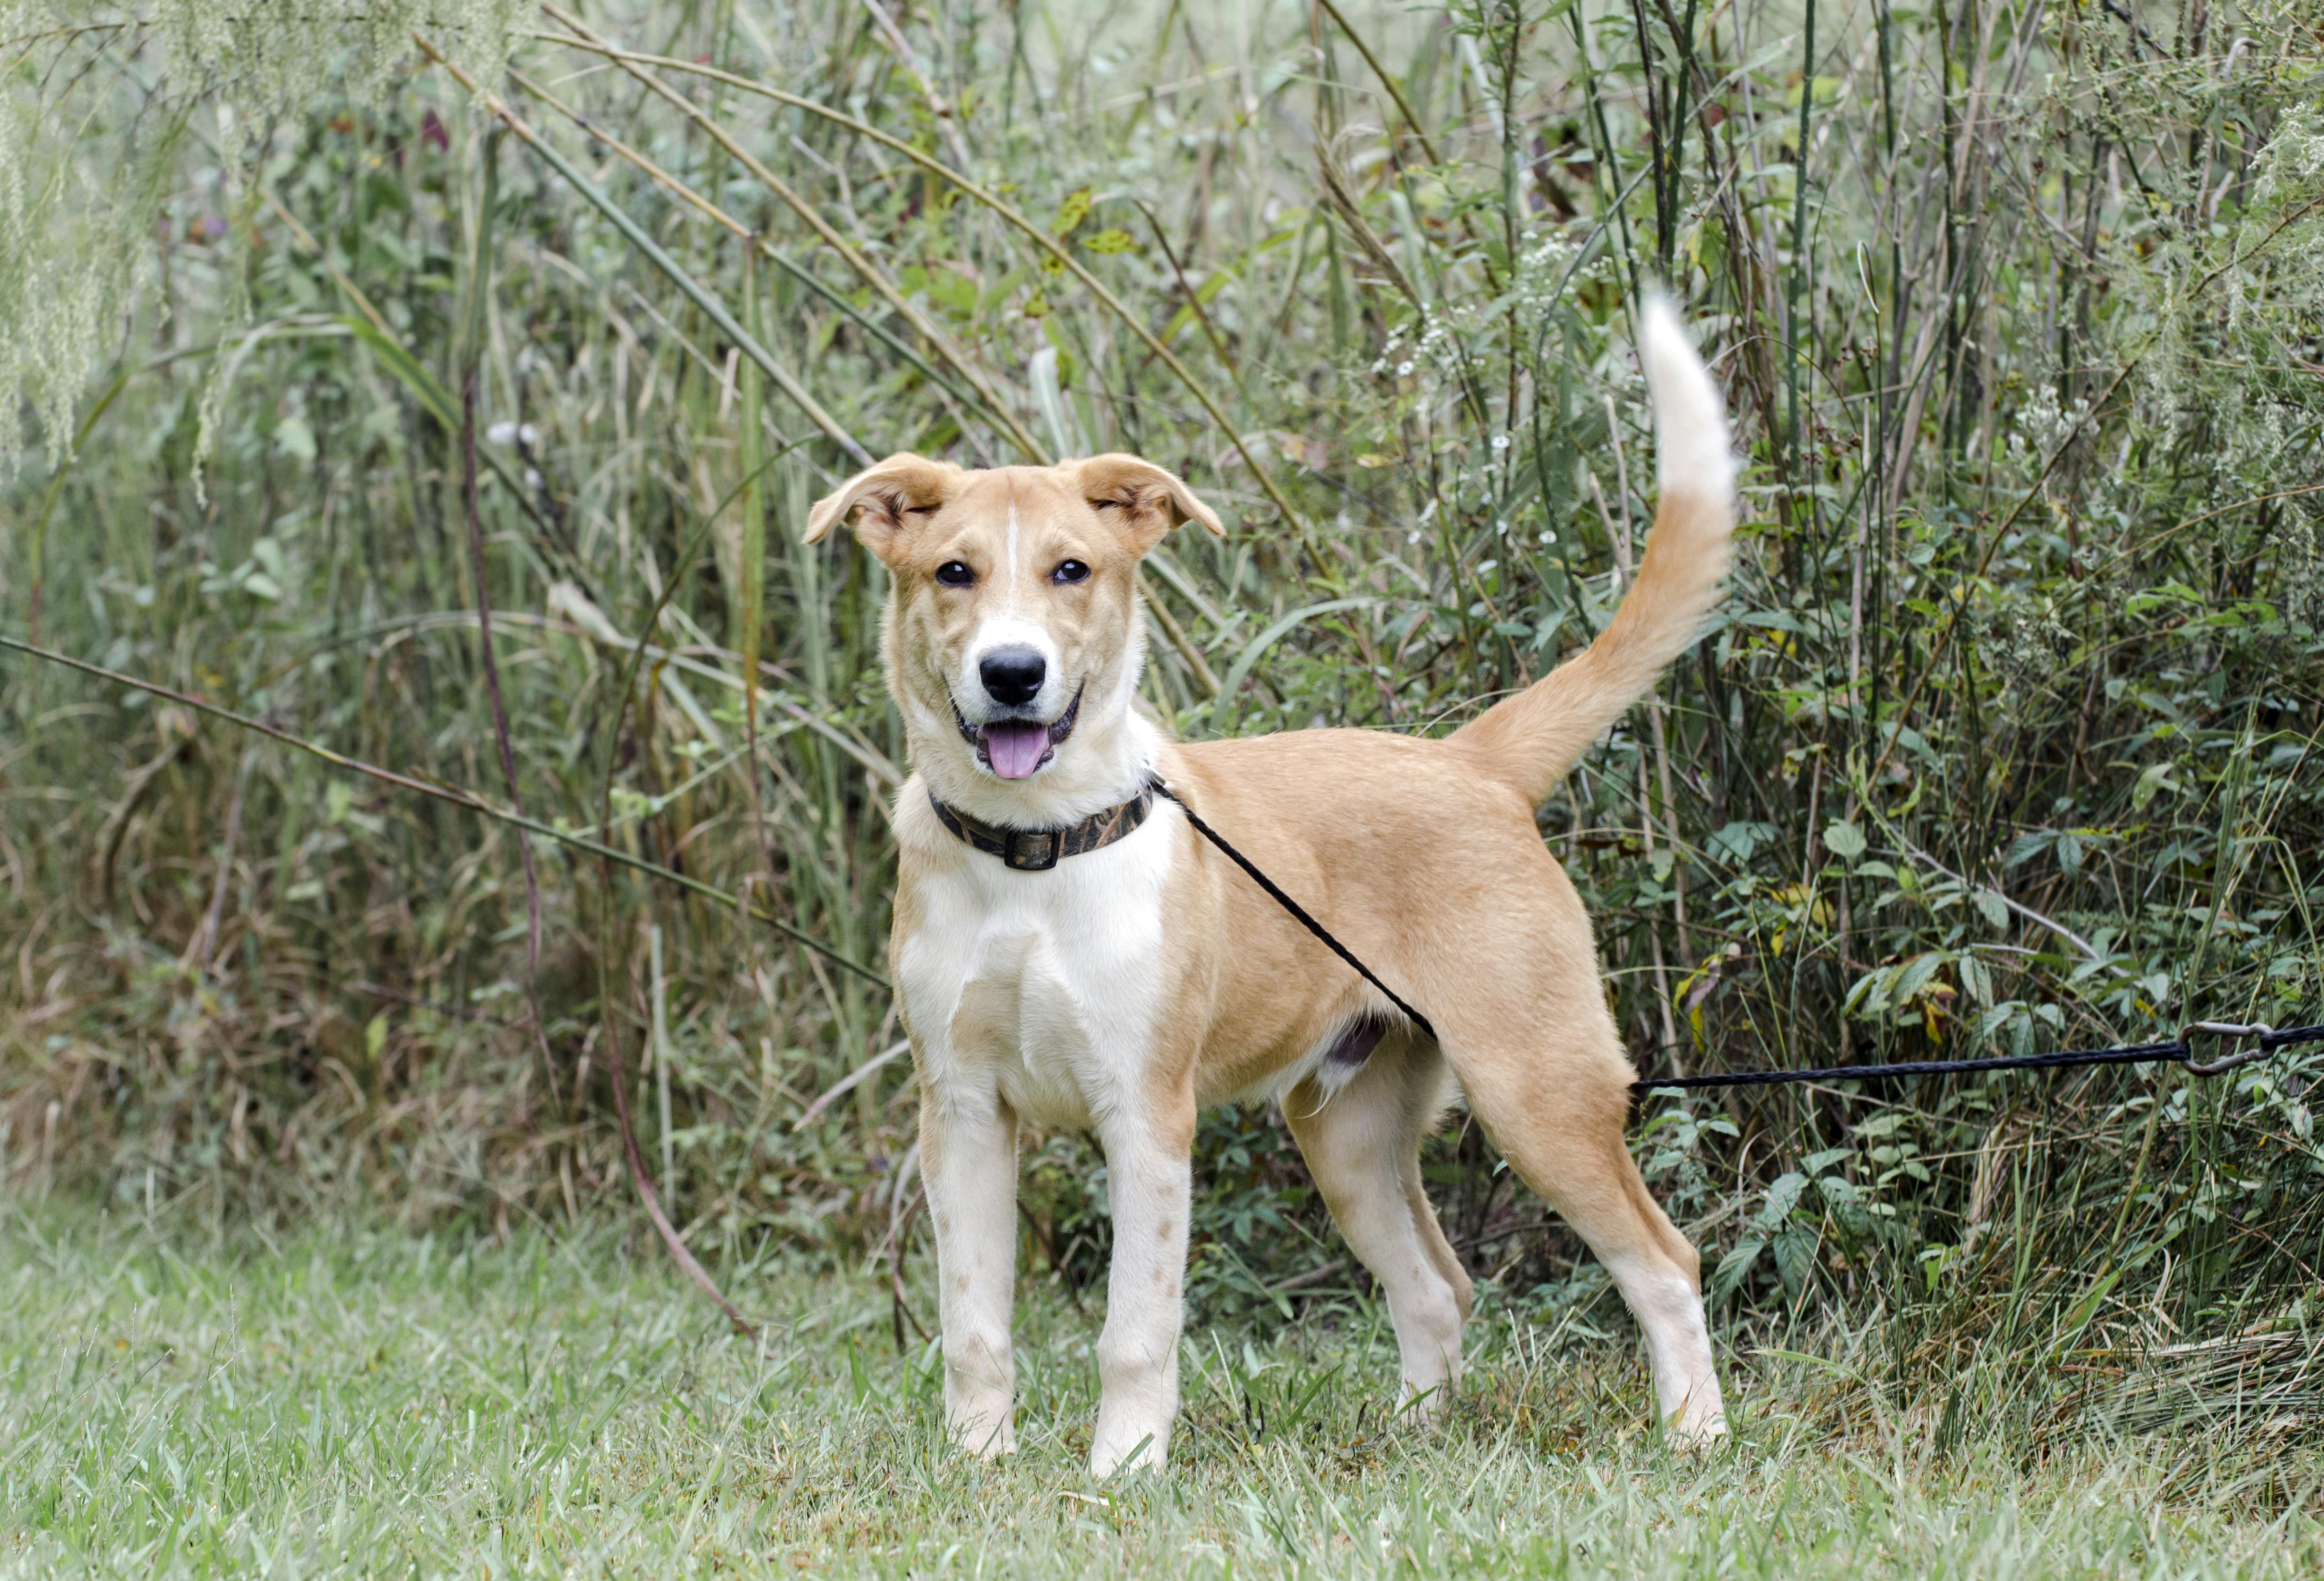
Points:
[(1032, 851)]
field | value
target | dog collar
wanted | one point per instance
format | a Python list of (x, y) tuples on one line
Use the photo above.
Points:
[(1036, 851)]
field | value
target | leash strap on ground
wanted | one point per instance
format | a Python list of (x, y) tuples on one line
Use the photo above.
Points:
[(1298, 912), (2264, 1039)]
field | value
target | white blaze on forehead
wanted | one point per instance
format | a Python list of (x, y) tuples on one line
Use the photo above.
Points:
[(1018, 617)]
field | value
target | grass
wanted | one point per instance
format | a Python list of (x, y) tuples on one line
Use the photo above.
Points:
[(359, 1400)]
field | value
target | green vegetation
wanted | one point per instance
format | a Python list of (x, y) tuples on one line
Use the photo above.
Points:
[(375, 1403), (2009, 738)]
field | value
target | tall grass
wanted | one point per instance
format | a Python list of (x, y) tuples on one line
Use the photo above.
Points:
[(2007, 741)]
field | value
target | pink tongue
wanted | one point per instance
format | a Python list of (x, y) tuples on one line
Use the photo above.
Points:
[(1015, 748)]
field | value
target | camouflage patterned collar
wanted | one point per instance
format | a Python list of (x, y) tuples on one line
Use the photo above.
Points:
[(1036, 851)]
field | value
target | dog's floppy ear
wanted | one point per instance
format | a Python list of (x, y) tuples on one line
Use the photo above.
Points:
[(1140, 498), (884, 500)]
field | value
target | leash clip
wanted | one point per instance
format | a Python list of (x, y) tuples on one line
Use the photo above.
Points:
[(2232, 1031)]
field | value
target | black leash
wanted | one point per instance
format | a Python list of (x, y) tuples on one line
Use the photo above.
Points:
[(2264, 1040), (1290, 905)]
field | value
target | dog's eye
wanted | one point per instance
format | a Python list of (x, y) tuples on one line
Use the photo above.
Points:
[(922, 510), (1070, 571), (954, 573)]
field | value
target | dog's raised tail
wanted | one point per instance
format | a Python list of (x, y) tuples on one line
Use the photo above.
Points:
[(1532, 739)]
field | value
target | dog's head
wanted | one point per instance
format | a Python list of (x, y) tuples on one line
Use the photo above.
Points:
[(1013, 622)]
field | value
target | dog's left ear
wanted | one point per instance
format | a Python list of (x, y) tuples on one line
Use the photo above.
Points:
[(1140, 498), (885, 501)]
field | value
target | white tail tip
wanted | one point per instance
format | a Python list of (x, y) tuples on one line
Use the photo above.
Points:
[(1691, 441)]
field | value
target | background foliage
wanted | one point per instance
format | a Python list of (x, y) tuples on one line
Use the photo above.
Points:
[(2006, 741)]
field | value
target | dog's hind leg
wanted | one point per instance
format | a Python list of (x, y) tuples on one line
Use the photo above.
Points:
[(1549, 1083), (968, 1157), (1362, 1146)]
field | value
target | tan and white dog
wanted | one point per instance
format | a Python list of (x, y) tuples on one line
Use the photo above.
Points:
[(1117, 973)]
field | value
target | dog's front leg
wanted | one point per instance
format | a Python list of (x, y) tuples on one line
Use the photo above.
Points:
[(1148, 1158), (968, 1156)]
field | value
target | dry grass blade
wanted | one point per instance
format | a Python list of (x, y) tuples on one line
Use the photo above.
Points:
[(870, 273), (1411, 119), (2269, 1383), (1343, 204), (1387, 80), (479, 295)]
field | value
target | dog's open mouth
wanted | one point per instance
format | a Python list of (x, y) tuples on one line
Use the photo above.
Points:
[(1014, 748)]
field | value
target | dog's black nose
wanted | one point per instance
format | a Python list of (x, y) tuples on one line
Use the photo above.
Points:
[(1012, 676)]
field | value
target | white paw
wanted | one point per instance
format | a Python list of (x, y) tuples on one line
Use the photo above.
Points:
[(985, 1436), (1112, 1455), (1691, 1428), (1423, 1405)]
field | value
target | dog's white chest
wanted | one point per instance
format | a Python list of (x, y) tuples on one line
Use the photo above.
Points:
[(1042, 987)]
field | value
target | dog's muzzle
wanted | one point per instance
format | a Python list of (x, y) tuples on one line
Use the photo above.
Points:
[(1017, 748)]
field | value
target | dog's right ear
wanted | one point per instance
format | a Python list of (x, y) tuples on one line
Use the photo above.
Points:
[(884, 501)]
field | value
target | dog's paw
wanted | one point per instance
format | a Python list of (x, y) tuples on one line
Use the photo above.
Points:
[(985, 1437), (1696, 1431), (1423, 1408), (1109, 1460)]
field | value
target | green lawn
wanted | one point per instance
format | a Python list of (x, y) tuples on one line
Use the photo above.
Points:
[(365, 1401)]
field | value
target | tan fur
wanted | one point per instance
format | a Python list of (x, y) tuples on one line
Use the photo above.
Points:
[(1420, 854), (1531, 740)]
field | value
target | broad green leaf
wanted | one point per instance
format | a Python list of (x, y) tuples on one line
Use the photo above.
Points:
[(1795, 1251), (1736, 1266), (1976, 977), (1991, 908), (1072, 212)]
